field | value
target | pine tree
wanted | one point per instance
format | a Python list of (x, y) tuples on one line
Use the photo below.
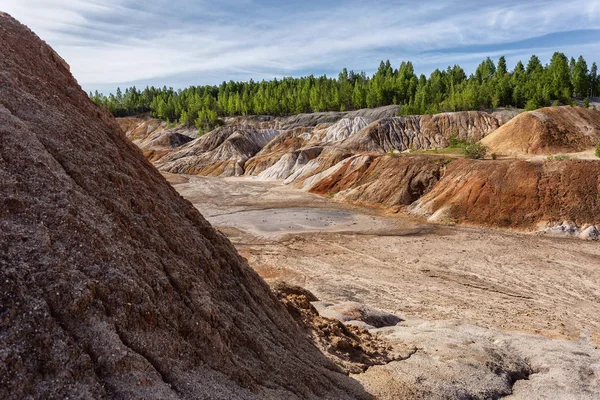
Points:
[(492, 85), (594, 80), (580, 78)]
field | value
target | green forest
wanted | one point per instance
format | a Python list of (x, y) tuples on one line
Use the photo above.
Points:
[(492, 85)]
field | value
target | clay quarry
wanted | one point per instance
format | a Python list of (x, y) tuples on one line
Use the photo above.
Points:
[(334, 255)]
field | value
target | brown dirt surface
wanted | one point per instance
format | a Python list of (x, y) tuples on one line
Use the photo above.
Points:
[(354, 349), (485, 311), (497, 278), (221, 152), (518, 194), (550, 130), (153, 137), (111, 284), (382, 180)]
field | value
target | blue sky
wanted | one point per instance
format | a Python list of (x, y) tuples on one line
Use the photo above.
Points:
[(178, 43)]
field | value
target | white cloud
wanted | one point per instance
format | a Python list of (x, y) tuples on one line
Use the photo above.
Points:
[(116, 41)]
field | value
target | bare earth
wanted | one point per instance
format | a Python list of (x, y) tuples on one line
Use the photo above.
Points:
[(431, 275), (500, 279)]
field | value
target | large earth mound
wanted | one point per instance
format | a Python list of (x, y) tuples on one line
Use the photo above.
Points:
[(379, 180), (111, 284), (419, 132), (275, 148), (154, 137), (550, 130), (515, 193), (220, 152)]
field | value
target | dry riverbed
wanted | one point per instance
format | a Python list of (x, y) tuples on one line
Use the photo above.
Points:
[(450, 284)]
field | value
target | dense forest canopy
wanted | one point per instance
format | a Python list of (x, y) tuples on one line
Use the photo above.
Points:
[(492, 85)]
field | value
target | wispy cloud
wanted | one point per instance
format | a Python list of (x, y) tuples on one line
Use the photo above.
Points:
[(183, 42)]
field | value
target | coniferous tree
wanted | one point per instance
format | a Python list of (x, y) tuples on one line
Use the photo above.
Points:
[(580, 78), (491, 85)]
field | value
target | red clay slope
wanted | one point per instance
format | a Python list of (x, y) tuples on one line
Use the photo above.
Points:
[(515, 193), (111, 284)]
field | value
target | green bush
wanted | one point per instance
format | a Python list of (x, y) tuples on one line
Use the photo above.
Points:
[(531, 105), (598, 150), (586, 103), (559, 157), (494, 156), (456, 143), (475, 151)]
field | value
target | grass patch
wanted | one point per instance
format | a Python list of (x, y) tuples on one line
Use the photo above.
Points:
[(445, 150), (559, 157)]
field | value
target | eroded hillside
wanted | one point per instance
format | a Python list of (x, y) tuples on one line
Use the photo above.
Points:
[(253, 145), (550, 130), (374, 158), (111, 284)]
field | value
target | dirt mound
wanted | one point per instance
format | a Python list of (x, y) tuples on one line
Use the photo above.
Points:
[(379, 180), (111, 284), (287, 142), (352, 348), (549, 130), (515, 193), (328, 158), (268, 146), (345, 128), (222, 152), (312, 120), (154, 137), (356, 314), (290, 163), (419, 132)]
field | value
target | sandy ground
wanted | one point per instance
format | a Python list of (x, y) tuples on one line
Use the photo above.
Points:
[(449, 283), (499, 279)]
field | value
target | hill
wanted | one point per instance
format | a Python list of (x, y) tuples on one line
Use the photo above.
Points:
[(550, 130), (111, 284)]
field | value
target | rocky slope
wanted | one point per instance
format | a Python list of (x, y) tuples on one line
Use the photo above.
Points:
[(111, 284), (379, 181), (349, 160), (154, 137), (274, 148), (421, 132), (515, 193), (222, 152), (550, 130), (312, 119), (358, 135)]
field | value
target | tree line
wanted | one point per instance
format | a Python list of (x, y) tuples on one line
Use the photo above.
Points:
[(492, 85)]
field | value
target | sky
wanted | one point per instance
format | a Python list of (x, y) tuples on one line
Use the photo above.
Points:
[(178, 43)]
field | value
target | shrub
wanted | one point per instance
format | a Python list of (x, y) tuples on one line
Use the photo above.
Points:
[(475, 151), (598, 150), (586, 103), (455, 142), (559, 157), (494, 156), (531, 105)]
